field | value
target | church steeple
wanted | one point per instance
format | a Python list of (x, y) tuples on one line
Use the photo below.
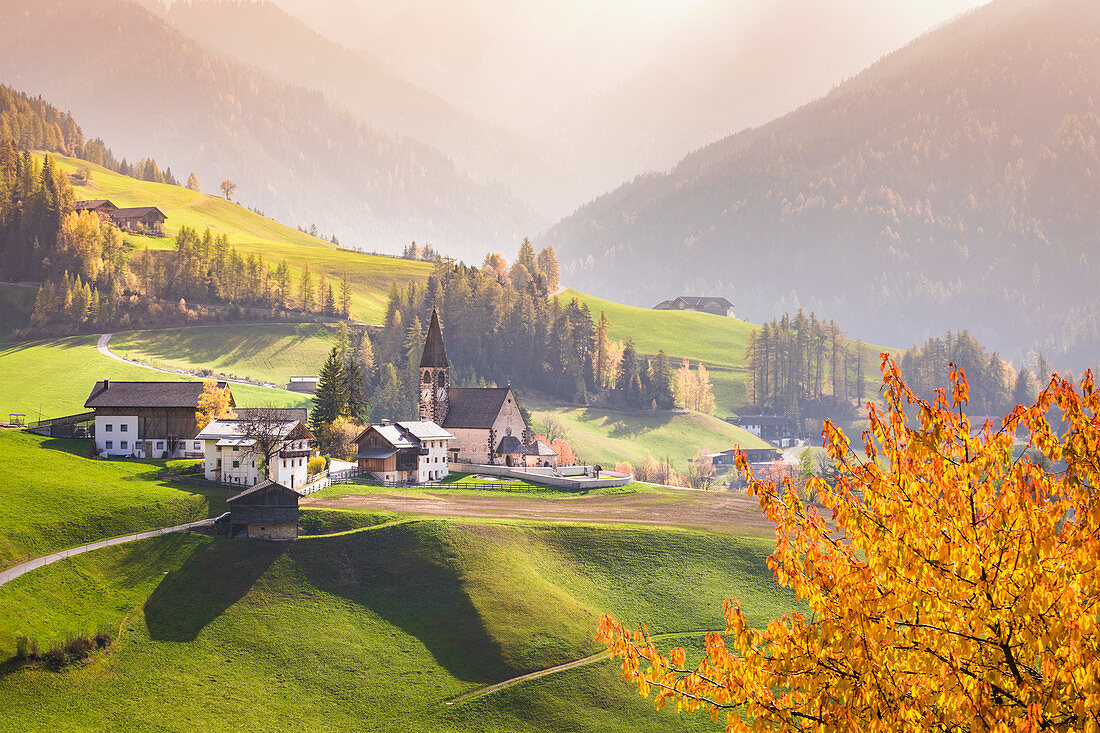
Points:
[(435, 381)]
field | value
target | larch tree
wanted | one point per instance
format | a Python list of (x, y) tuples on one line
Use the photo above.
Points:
[(213, 403), (193, 182), (228, 188), (954, 585), (306, 297)]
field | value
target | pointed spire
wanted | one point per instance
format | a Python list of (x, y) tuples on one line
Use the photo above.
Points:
[(435, 355)]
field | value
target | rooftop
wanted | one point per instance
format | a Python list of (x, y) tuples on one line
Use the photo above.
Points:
[(109, 393), (475, 407)]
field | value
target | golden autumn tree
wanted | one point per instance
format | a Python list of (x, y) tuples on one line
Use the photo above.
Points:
[(213, 403), (954, 585)]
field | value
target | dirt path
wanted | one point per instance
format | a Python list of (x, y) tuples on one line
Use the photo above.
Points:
[(711, 510), (23, 568)]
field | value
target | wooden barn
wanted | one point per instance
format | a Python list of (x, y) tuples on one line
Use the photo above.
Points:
[(266, 511), (717, 306), (147, 419), (140, 220)]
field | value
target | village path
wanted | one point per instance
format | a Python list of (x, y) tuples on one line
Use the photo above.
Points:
[(23, 568), (104, 347)]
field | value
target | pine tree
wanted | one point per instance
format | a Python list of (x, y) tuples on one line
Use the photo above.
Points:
[(357, 405), (331, 399)]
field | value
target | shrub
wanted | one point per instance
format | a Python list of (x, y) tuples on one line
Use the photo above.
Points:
[(78, 647), (25, 648), (103, 639), (54, 659), (316, 465)]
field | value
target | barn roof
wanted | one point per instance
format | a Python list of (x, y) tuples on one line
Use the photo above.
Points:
[(435, 355), (475, 407), (109, 393), (137, 212), (266, 485), (92, 204)]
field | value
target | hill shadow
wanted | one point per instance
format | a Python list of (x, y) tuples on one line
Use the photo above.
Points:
[(409, 575), (629, 424), (213, 579)]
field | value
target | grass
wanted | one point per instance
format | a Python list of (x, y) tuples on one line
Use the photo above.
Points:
[(371, 276), (55, 498), (606, 436), (378, 628), (458, 487), (54, 378), (266, 352)]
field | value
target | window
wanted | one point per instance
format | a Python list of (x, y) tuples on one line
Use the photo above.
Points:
[(123, 445), (108, 427), (123, 427), (236, 448), (110, 444), (236, 464), (137, 445), (198, 445), (160, 445)]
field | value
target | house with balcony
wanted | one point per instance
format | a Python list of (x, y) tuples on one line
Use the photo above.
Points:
[(412, 452), (244, 451)]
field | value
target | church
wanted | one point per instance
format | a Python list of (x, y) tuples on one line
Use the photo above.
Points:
[(479, 418)]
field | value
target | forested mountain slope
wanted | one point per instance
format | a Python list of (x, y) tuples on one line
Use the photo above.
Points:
[(954, 185), (137, 81)]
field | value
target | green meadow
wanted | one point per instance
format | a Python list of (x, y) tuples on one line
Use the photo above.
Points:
[(373, 629), (266, 352), (56, 498), (371, 276), (54, 378)]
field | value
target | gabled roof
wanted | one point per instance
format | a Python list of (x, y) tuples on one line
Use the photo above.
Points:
[(538, 448), (475, 407), (760, 420), (137, 212), (692, 301), (510, 445), (266, 485), (425, 430), (435, 355), (237, 429), (92, 204), (109, 393)]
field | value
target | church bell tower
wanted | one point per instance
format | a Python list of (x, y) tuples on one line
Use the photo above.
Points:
[(435, 380)]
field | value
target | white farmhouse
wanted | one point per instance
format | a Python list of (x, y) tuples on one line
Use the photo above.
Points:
[(235, 451)]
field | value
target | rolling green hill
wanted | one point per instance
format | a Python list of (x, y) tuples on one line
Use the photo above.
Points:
[(267, 352), (53, 378), (55, 498), (374, 629), (251, 233)]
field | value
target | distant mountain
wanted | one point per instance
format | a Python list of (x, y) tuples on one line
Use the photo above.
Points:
[(263, 34), (136, 80), (954, 184)]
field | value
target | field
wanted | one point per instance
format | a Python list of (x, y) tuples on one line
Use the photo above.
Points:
[(266, 352), (55, 498), (54, 378), (375, 629), (605, 435), (371, 276)]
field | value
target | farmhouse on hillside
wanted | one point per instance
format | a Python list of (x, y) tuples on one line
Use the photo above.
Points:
[(266, 511), (778, 429), (148, 419), (479, 418), (137, 219), (404, 452), (236, 449), (717, 306)]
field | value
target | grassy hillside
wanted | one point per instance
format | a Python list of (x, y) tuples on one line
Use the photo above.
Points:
[(606, 436), (374, 629), (55, 377), (251, 233), (55, 498), (268, 352)]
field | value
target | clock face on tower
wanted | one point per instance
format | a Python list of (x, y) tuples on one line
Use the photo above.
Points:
[(441, 393), (426, 393)]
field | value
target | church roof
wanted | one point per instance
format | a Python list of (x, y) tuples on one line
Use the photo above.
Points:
[(475, 407), (511, 445), (435, 355)]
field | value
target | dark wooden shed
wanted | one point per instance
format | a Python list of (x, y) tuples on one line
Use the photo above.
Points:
[(268, 511)]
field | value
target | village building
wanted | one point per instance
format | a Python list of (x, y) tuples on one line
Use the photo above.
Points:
[(147, 419), (404, 452), (479, 418), (267, 511), (755, 456), (778, 429), (235, 449), (540, 455), (97, 206), (140, 220), (717, 306), (304, 385)]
